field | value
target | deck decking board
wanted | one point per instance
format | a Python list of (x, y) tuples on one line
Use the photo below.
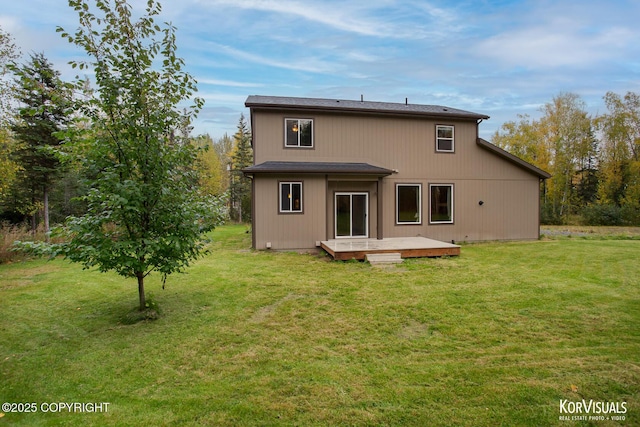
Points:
[(408, 247)]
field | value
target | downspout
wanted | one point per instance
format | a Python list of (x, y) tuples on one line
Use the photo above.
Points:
[(327, 211), (253, 184), (380, 231), (253, 211), (478, 128)]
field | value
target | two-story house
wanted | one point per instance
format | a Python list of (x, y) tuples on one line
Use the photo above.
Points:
[(336, 169)]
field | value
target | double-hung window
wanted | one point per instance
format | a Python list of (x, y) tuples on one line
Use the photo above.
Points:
[(441, 210), (290, 197), (408, 204), (445, 139), (298, 133)]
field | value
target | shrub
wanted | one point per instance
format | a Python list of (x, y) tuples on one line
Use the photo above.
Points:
[(602, 215), (630, 215), (9, 233), (549, 216)]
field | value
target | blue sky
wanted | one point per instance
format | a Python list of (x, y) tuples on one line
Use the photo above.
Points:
[(496, 57)]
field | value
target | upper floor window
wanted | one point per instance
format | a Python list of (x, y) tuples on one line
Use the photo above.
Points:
[(444, 138), (298, 133)]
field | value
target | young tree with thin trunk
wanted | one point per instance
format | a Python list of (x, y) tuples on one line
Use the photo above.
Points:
[(144, 213)]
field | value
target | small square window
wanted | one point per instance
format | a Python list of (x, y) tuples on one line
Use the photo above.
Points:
[(445, 138), (408, 204), (441, 211), (290, 197), (299, 133)]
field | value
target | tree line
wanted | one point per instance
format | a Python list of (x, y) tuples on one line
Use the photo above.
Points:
[(594, 160), (38, 182)]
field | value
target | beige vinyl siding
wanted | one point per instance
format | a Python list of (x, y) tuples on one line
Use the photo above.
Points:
[(406, 145), (289, 230), (509, 211)]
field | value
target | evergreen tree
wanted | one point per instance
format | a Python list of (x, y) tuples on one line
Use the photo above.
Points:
[(242, 157), (44, 112)]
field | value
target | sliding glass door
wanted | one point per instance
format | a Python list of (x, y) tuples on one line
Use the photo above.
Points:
[(352, 215)]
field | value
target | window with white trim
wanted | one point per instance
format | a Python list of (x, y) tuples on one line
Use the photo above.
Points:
[(445, 138), (441, 209), (408, 204), (290, 197), (298, 133)]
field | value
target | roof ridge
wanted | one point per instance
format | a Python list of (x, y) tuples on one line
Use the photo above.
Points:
[(380, 107)]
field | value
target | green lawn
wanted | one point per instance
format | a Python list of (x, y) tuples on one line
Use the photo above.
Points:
[(497, 336)]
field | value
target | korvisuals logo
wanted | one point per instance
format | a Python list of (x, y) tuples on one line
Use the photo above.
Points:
[(592, 407), (592, 410)]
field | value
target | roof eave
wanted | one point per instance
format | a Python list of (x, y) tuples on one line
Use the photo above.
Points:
[(268, 168)]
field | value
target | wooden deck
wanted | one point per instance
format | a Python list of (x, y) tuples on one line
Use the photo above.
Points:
[(408, 247)]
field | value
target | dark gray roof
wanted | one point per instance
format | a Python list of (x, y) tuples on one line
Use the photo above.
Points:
[(258, 101), (317, 167), (513, 159)]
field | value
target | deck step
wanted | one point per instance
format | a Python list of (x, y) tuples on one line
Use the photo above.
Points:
[(384, 258)]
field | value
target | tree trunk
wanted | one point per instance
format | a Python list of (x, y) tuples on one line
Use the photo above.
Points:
[(34, 216), (143, 302), (46, 213)]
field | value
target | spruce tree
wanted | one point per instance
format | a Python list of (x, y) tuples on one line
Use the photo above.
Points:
[(241, 158), (44, 111)]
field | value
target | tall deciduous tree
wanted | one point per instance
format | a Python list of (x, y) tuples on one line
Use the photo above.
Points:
[(224, 148), (144, 213), (9, 53), (211, 181), (566, 126), (44, 111), (524, 139), (8, 167), (563, 143), (620, 153), (242, 157)]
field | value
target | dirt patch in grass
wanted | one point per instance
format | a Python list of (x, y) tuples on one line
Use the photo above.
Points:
[(264, 312)]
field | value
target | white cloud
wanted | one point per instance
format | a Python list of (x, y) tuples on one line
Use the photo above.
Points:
[(228, 83), (555, 46), (360, 18), (9, 24), (294, 62)]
